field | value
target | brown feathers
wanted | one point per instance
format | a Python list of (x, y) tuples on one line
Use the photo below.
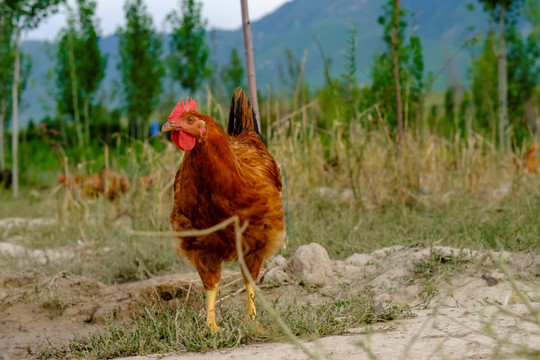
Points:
[(532, 159), (221, 177)]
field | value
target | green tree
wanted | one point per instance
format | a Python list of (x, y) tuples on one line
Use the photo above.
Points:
[(531, 11), (410, 63), (349, 89), (7, 29), (464, 116), (189, 51), (90, 65), (233, 74), (79, 66), (140, 65), (25, 14), (69, 93), (450, 106), (6, 77), (484, 84), (522, 74), (501, 9)]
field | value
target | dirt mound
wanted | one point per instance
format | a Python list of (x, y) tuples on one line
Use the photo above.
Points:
[(426, 277), (35, 309)]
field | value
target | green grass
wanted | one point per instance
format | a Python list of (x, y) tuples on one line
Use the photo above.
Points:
[(162, 330), (98, 244), (512, 224), (435, 269), (113, 256), (29, 205)]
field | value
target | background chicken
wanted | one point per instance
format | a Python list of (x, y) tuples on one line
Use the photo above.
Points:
[(221, 177), (106, 182), (532, 159)]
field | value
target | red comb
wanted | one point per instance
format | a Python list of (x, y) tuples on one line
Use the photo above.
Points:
[(181, 108)]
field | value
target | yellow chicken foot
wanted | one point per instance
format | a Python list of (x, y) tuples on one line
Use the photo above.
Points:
[(251, 310), (211, 308)]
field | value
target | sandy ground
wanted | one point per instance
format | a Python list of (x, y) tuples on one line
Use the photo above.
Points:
[(475, 312)]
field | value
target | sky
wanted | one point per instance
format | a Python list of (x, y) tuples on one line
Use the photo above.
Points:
[(221, 14)]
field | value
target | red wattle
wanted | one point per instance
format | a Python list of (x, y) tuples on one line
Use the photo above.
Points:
[(183, 140)]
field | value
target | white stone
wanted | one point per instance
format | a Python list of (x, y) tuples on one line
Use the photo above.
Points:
[(311, 264)]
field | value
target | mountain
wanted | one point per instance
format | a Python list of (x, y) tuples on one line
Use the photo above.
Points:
[(442, 26)]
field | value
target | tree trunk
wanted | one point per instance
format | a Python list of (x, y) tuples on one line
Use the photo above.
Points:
[(502, 82), (87, 120), (250, 63), (2, 135), (399, 111), (2, 120), (63, 130), (73, 76), (15, 117)]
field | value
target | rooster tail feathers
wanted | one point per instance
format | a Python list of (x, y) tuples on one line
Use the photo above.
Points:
[(241, 115)]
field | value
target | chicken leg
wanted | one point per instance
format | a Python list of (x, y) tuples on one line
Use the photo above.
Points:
[(253, 264), (251, 310), (211, 295), (209, 272)]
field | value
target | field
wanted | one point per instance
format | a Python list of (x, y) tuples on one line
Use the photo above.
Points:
[(431, 255)]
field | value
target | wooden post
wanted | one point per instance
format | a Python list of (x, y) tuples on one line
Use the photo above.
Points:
[(250, 63)]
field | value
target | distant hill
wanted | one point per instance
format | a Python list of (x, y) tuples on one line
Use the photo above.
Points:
[(441, 25)]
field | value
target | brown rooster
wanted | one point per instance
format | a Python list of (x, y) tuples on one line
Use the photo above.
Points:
[(222, 176)]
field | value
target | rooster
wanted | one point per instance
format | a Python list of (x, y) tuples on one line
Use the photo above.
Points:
[(222, 176)]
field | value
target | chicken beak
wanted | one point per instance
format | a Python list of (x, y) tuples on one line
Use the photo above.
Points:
[(167, 127)]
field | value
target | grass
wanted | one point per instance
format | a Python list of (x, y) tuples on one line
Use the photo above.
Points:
[(511, 224), (162, 330), (435, 269), (108, 254)]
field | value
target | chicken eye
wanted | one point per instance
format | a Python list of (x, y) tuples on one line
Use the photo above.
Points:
[(190, 120)]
